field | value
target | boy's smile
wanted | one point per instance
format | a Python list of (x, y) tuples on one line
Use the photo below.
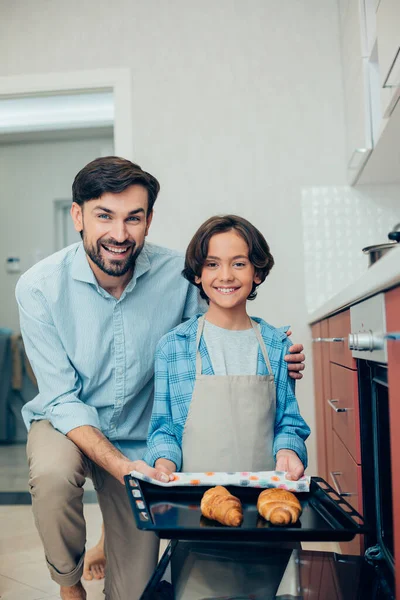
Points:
[(225, 291)]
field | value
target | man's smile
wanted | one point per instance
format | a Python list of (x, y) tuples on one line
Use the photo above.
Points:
[(116, 250)]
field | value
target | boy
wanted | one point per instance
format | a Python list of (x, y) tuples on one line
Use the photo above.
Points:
[(223, 398)]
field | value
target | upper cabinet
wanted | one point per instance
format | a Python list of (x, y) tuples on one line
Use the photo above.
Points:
[(388, 36), (356, 87), (370, 44)]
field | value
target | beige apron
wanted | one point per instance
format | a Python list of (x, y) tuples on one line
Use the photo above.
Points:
[(230, 427), (231, 419)]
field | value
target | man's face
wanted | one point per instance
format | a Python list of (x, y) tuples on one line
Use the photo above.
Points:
[(113, 228)]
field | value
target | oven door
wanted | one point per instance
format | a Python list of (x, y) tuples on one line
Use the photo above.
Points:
[(376, 461)]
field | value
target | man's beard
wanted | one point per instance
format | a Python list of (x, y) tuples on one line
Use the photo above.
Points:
[(115, 268)]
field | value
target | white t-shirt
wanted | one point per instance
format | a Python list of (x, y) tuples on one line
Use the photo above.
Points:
[(231, 352)]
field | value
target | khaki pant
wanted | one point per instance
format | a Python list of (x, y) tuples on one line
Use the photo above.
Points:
[(57, 472)]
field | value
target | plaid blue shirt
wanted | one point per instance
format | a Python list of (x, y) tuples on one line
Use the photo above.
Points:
[(175, 374)]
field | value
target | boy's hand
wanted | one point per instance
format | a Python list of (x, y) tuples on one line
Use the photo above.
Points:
[(288, 461), (158, 473), (295, 359), (165, 466)]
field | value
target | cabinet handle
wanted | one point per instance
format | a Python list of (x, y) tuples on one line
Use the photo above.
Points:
[(362, 153), (336, 485), (330, 340), (387, 83), (335, 408), (393, 336)]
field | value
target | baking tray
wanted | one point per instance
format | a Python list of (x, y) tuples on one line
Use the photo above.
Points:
[(174, 513)]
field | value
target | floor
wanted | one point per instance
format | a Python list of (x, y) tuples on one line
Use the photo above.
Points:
[(23, 572), (13, 468)]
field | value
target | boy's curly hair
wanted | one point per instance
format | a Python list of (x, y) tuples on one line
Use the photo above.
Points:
[(196, 253)]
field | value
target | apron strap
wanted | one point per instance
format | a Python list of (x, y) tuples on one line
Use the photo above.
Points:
[(200, 328), (262, 345)]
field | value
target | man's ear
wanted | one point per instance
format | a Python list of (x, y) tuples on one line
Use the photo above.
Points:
[(77, 216), (149, 219)]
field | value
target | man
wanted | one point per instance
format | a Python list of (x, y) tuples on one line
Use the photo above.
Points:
[(91, 316)]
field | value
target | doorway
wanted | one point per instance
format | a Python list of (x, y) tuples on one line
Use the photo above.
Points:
[(50, 126)]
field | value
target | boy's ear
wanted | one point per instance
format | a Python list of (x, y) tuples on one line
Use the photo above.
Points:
[(197, 279), (256, 279)]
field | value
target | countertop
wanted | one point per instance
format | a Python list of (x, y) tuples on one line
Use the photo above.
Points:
[(382, 275)]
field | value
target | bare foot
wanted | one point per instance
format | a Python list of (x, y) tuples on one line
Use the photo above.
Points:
[(95, 561), (74, 592)]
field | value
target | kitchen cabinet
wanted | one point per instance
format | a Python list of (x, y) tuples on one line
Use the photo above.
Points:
[(388, 36), (317, 578), (344, 405), (370, 51), (392, 301), (346, 475), (338, 430), (324, 578), (358, 123), (356, 84), (339, 329), (326, 378), (319, 403)]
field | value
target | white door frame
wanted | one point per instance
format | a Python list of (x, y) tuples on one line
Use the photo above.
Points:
[(117, 80)]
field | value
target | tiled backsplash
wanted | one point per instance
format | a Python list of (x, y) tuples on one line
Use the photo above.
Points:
[(337, 223)]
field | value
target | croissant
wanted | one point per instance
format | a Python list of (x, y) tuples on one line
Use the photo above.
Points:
[(278, 506), (219, 504)]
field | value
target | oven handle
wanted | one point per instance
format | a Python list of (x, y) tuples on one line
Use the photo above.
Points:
[(393, 335), (333, 475), (335, 408), (330, 340)]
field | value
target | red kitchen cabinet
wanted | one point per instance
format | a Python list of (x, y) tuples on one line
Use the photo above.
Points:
[(344, 388), (317, 577), (319, 403), (326, 375), (338, 433), (339, 327), (392, 301)]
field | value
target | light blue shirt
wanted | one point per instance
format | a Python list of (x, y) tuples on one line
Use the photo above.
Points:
[(93, 355)]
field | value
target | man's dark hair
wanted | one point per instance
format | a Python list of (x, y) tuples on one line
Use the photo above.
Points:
[(196, 254), (112, 174)]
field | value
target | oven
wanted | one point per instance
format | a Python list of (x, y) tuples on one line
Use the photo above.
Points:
[(368, 342)]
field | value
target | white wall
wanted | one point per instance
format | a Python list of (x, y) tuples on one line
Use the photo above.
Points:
[(32, 176), (338, 222), (237, 106)]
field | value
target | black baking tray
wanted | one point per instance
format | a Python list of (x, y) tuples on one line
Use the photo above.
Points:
[(174, 513)]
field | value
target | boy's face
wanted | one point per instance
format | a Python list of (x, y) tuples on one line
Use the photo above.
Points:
[(228, 275)]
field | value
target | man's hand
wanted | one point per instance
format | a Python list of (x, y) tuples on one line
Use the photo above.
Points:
[(160, 472), (288, 461), (100, 450), (295, 359)]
